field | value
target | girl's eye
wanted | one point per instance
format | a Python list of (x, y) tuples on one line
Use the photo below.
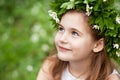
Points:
[(75, 33), (61, 29)]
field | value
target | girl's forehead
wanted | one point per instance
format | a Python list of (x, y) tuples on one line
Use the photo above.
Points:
[(79, 16), (74, 19)]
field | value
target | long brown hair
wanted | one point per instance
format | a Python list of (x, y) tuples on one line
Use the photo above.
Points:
[(101, 64)]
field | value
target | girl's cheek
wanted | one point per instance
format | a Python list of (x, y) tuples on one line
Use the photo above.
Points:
[(56, 38)]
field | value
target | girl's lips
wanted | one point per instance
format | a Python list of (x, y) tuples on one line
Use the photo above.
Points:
[(63, 48)]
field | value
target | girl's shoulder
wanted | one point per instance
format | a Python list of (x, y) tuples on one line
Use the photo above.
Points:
[(113, 77), (45, 70)]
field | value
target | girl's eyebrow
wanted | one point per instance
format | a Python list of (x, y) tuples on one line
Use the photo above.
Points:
[(60, 25)]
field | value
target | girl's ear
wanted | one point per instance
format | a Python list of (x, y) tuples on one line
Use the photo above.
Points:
[(99, 45)]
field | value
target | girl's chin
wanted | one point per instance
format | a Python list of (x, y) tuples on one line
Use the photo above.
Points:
[(63, 56)]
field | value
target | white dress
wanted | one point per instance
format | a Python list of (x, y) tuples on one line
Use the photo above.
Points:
[(66, 75)]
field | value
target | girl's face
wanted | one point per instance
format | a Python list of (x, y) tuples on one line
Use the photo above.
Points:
[(73, 39)]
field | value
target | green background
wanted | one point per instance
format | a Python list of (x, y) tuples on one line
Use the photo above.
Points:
[(26, 37)]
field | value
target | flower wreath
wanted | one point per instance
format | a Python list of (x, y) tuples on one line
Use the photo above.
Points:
[(104, 16)]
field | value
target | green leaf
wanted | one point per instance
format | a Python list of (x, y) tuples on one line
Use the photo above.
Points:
[(68, 5), (89, 1)]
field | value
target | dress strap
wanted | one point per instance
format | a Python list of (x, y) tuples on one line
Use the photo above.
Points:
[(115, 72)]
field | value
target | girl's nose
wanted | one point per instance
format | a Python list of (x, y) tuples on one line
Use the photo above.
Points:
[(63, 38)]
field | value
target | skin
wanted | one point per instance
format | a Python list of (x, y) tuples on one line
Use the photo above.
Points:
[(73, 40)]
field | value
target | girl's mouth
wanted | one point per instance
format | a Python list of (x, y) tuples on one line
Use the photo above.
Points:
[(63, 49)]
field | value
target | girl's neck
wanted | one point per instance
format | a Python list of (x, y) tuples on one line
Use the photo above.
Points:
[(80, 69)]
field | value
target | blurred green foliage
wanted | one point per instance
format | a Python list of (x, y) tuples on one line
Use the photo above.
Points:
[(25, 38)]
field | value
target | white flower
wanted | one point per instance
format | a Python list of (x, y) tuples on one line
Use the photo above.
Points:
[(35, 38), (45, 47), (56, 19), (118, 19), (5, 36), (116, 46), (53, 15), (96, 27), (36, 28), (118, 53), (30, 68), (118, 36), (85, 1), (104, 0), (88, 8), (42, 33), (35, 10)]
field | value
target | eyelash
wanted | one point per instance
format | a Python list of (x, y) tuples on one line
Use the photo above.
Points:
[(60, 29), (74, 33)]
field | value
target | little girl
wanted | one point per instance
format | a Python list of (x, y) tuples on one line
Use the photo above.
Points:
[(81, 51)]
